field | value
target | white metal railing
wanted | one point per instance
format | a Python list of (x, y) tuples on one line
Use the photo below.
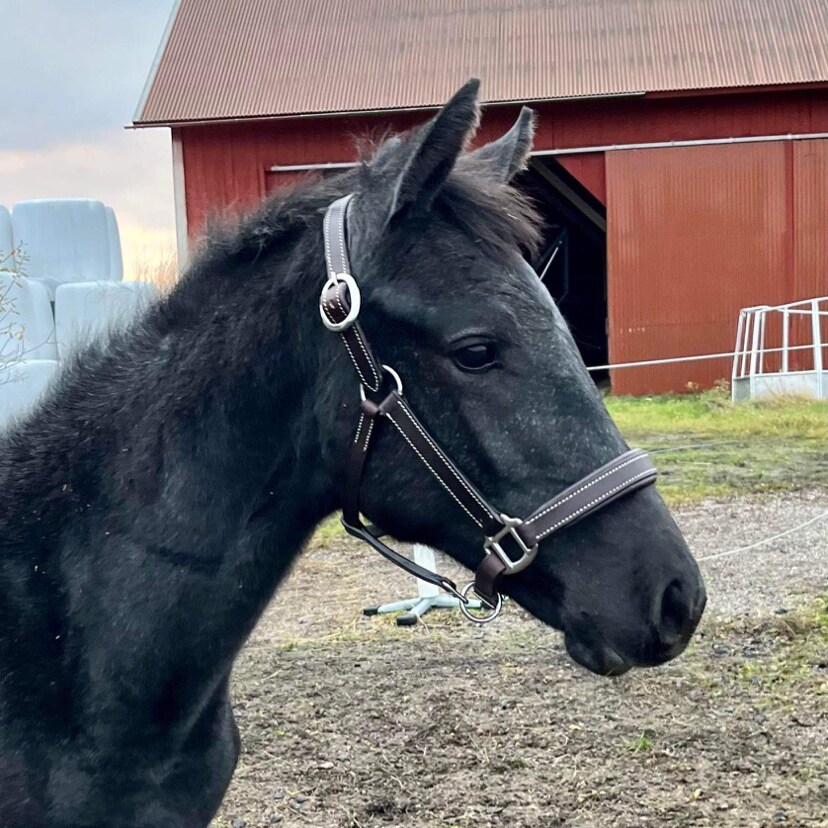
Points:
[(797, 327)]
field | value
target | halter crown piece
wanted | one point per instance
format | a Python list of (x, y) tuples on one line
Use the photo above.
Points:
[(339, 307)]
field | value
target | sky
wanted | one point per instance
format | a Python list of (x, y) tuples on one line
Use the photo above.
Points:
[(74, 72)]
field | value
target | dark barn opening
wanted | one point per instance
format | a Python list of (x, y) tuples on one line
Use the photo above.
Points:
[(572, 259)]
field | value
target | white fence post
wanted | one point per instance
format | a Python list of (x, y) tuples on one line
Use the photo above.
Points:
[(817, 333)]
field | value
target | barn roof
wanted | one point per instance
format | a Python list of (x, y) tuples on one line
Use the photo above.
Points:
[(224, 59)]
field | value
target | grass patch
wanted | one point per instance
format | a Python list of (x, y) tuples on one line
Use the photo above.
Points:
[(796, 645), (712, 413), (382, 629), (737, 448), (642, 744), (327, 534)]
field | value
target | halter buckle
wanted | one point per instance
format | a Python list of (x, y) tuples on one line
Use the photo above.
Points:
[(354, 299), (492, 545)]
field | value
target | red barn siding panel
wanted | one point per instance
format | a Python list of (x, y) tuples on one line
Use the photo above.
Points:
[(585, 123), (605, 122), (810, 159), (694, 234), (806, 249), (226, 163), (222, 174), (810, 246), (590, 170), (281, 179), (227, 166)]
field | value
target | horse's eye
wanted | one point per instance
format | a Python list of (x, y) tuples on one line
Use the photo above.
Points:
[(475, 358)]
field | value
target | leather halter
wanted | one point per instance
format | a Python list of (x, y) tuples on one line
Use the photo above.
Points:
[(339, 306)]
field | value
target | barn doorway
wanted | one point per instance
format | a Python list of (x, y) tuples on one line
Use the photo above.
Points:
[(573, 255)]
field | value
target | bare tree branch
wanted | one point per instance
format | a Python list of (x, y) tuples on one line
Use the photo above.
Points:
[(13, 345)]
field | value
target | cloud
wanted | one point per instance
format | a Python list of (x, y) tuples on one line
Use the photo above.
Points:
[(71, 69), (73, 73), (130, 170)]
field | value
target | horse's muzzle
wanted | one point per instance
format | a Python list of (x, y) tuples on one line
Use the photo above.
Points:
[(663, 636)]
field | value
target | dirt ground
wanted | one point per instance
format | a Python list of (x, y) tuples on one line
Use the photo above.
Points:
[(352, 722)]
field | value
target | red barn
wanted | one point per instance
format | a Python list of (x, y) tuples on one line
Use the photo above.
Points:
[(681, 157)]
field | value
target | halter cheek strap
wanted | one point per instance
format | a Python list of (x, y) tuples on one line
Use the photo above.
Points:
[(339, 307)]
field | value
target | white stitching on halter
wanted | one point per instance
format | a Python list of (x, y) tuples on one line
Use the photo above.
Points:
[(446, 462), (356, 364), (584, 488), (368, 359), (326, 233), (359, 426), (587, 506), (437, 476)]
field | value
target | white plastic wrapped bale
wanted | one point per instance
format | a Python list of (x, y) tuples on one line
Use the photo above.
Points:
[(27, 327), (6, 237), (86, 310), (21, 386), (65, 240), (116, 261)]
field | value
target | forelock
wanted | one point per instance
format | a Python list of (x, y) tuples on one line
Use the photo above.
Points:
[(493, 214)]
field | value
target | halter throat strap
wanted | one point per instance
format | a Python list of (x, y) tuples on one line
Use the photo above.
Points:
[(339, 305)]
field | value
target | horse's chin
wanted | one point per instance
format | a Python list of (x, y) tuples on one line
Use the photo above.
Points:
[(600, 659)]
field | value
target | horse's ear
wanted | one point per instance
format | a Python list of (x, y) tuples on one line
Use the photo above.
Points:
[(508, 155), (432, 150)]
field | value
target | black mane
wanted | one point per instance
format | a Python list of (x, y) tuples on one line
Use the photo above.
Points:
[(496, 215)]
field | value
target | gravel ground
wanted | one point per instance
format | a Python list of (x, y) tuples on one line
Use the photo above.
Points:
[(352, 722), (329, 587), (768, 576)]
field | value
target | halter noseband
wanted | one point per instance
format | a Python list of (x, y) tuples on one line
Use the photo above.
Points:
[(339, 306)]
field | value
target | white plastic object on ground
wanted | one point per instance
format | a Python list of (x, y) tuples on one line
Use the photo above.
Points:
[(6, 238), (116, 261), (64, 240), (87, 310), (21, 386), (27, 327), (424, 556)]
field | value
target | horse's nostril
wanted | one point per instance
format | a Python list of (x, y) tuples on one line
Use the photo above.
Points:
[(675, 612)]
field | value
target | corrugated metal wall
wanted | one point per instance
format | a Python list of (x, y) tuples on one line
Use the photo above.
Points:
[(810, 210), (810, 228), (251, 58), (226, 163), (590, 169), (696, 233)]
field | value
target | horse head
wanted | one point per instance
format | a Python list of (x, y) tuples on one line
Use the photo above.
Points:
[(436, 236)]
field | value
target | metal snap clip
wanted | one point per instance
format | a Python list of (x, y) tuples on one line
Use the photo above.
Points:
[(489, 611)]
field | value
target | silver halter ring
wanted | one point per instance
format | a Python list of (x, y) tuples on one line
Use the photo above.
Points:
[(489, 612), (394, 375), (354, 298)]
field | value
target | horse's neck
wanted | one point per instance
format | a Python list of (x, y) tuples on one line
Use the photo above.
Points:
[(199, 491), (243, 484), (244, 481)]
